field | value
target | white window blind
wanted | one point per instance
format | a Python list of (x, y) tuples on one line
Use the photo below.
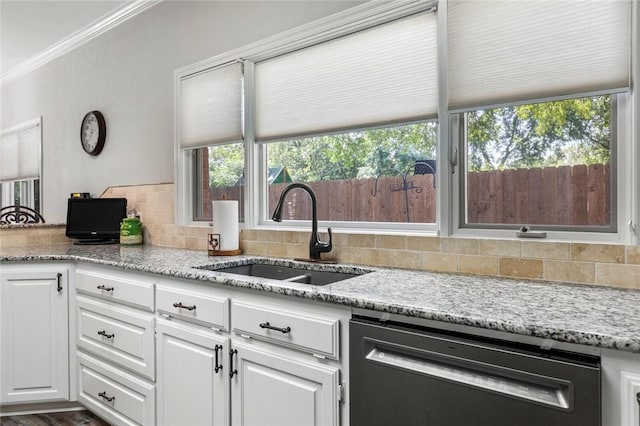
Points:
[(377, 76), (20, 153), (501, 51), (211, 107)]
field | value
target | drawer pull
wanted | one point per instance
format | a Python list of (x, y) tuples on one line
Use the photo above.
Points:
[(59, 288), (105, 288), (181, 306), (232, 371), (104, 395), (283, 330), (105, 334), (218, 367)]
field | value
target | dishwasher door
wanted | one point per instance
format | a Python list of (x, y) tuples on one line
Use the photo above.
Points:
[(404, 375)]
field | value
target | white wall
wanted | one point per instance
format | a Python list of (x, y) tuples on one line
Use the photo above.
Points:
[(127, 74)]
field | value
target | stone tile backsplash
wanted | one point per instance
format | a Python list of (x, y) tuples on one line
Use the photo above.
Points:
[(599, 264)]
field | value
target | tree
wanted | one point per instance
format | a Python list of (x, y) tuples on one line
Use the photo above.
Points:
[(573, 131), (226, 164), (357, 154)]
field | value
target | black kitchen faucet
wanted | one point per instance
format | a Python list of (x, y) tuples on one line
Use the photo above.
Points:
[(315, 245)]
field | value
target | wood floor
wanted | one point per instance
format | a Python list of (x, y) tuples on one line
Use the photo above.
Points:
[(69, 418)]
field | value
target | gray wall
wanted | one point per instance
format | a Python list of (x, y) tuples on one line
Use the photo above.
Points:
[(127, 74)]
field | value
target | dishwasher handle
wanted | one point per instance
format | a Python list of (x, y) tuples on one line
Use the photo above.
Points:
[(542, 390)]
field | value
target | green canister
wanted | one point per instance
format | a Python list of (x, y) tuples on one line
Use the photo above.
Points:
[(131, 230)]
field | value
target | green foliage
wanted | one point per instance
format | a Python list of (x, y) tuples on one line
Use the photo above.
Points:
[(226, 164), (357, 154), (573, 131), (568, 132)]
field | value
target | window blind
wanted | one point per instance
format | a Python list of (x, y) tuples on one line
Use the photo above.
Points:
[(211, 107), (378, 76), (20, 153), (500, 51)]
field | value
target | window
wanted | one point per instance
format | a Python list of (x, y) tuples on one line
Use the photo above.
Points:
[(376, 175), (545, 164), (284, 113), (211, 137), (535, 97), (219, 175), (354, 117), (495, 115), (20, 159)]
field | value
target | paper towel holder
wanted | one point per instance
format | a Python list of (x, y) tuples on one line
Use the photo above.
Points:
[(213, 247)]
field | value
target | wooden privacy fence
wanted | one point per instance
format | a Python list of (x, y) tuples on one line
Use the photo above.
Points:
[(578, 195), (567, 195)]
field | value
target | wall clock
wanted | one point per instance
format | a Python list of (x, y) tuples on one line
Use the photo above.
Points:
[(93, 132)]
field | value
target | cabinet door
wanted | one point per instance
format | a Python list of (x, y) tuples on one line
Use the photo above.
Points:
[(270, 389), (34, 337), (630, 398), (189, 389)]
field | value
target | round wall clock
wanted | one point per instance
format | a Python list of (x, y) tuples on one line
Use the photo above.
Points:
[(93, 132)]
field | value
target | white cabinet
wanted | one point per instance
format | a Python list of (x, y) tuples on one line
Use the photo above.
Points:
[(620, 388), (118, 333), (271, 389), (192, 355), (115, 338), (194, 303), (286, 362), (631, 398), (192, 379), (34, 338), (115, 395), (289, 327), (279, 366)]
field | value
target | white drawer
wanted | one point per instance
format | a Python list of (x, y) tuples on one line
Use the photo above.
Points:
[(122, 335), (299, 330), (118, 287), (200, 307), (115, 395)]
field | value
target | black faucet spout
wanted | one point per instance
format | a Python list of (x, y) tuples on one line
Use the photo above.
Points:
[(315, 245)]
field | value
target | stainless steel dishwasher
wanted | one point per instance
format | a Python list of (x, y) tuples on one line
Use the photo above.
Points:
[(407, 375)]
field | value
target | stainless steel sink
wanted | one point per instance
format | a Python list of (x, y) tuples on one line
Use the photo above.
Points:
[(295, 274)]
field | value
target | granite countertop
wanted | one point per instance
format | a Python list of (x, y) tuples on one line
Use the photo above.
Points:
[(589, 315)]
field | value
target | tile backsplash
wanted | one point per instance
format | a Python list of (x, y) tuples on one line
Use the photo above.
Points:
[(600, 264)]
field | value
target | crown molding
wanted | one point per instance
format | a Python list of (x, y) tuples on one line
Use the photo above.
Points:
[(77, 39)]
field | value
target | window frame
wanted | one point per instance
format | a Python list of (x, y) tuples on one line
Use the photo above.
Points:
[(400, 227), (622, 187), (331, 27), (463, 149), (448, 212)]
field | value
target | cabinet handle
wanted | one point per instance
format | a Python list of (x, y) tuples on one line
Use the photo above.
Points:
[(283, 330), (105, 334), (59, 282), (105, 288), (181, 306), (232, 371), (218, 367), (638, 397), (104, 395)]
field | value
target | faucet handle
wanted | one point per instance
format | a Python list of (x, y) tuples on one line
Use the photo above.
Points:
[(325, 247)]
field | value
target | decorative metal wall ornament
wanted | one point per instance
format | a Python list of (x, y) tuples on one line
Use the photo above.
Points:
[(407, 185), (19, 215)]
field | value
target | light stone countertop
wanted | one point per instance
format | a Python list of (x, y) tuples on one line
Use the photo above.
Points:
[(590, 315)]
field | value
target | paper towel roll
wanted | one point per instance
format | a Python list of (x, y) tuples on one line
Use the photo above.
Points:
[(225, 223)]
